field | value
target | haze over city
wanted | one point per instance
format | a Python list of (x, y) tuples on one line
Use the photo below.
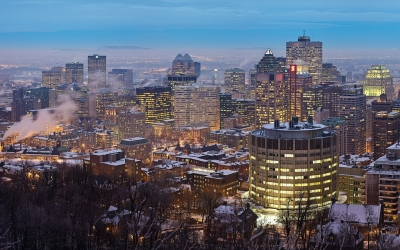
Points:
[(177, 124)]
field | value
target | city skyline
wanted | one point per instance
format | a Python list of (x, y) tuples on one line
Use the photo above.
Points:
[(344, 27)]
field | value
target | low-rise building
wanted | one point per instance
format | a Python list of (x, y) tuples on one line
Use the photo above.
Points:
[(224, 182), (113, 165), (233, 138), (138, 148)]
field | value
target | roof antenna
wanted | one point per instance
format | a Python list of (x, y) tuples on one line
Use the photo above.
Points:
[(304, 33)]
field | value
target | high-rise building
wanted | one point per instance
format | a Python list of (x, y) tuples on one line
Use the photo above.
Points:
[(252, 77), (353, 113), (245, 108), (308, 51), (235, 80), (299, 79), (104, 97), (270, 98), (74, 72), (330, 73), (385, 131), (131, 124), (42, 97), (225, 107), (331, 100), (20, 107), (378, 81), (311, 100), (97, 73), (271, 91), (197, 69), (293, 164), (53, 77), (120, 78), (182, 73), (155, 102), (197, 105)]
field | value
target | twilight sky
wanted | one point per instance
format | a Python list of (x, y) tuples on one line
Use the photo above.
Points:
[(349, 25)]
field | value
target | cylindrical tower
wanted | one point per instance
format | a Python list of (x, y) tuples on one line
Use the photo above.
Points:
[(293, 164)]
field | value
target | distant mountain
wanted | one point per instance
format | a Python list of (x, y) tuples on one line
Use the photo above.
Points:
[(123, 48), (251, 48)]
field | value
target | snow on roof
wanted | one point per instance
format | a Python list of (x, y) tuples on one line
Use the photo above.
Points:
[(106, 152), (363, 214), (224, 209)]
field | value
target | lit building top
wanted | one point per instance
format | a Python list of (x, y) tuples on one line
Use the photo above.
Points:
[(292, 130)]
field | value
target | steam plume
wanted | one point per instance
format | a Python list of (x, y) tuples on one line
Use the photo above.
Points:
[(46, 120)]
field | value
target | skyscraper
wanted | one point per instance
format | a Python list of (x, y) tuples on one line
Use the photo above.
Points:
[(235, 80), (353, 113), (120, 78), (299, 79), (155, 102), (182, 73), (378, 81), (308, 51), (97, 74), (385, 131), (131, 124), (74, 72), (292, 164), (53, 77), (226, 107), (270, 96), (197, 105)]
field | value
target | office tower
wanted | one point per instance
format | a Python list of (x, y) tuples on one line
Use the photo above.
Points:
[(197, 69), (74, 72), (336, 124), (20, 107), (197, 105), (225, 107), (245, 108), (293, 160), (42, 97), (385, 131), (18, 94), (270, 96), (378, 81), (330, 73), (182, 73), (308, 51), (155, 102), (270, 64), (353, 113), (331, 100), (252, 77), (234, 80), (311, 99), (120, 78), (131, 124), (299, 79), (104, 97), (53, 77), (97, 74), (372, 109)]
